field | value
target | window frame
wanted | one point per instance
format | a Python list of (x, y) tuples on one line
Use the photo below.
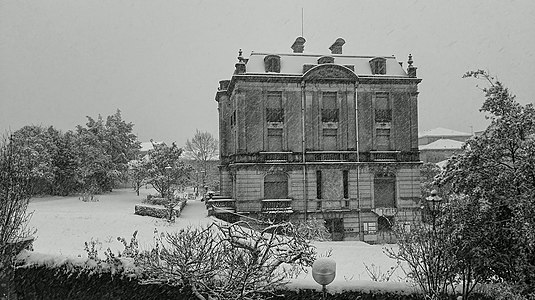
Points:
[(274, 185)]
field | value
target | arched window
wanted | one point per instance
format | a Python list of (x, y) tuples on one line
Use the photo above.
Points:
[(276, 186), (272, 63)]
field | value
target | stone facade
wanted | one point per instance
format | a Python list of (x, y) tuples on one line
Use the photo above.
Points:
[(332, 137)]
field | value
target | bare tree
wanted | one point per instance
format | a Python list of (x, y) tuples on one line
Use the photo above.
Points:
[(202, 148), (230, 261), (15, 193)]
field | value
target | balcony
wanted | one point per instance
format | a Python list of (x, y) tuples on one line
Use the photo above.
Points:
[(271, 206), (322, 156), (222, 205), (385, 211), (313, 156), (384, 155)]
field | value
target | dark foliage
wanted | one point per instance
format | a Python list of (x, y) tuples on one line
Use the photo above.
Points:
[(40, 282)]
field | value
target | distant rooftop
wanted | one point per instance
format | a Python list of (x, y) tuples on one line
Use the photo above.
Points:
[(442, 144), (443, 132), (146, 146)]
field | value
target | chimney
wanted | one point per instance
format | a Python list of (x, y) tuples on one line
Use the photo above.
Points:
[(299, 45), (336, 48)]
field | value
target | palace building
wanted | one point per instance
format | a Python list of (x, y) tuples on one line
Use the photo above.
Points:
[(332, 137)]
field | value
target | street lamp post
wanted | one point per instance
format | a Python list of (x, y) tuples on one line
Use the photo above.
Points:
[(168, 172), (434, 205), (203, 177)]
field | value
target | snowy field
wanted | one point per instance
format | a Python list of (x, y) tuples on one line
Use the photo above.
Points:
[(64, 223)]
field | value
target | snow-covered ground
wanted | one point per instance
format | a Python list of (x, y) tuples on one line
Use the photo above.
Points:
[(64, 223)]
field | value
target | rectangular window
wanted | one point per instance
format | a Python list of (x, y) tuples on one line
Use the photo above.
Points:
[(330, 139), (275, 187), (383, 111), (274, 110), (382, 137), (233, 119), (345, 180), (329, 111), (274, 139), (274, 115), (318, 184), (384, 191)]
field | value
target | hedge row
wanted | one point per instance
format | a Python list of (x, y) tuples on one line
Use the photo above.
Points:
[(158, 212), (40, 276), (40, 282), (68, 282)]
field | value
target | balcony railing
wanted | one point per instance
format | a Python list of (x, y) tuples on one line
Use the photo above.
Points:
[(331, 156), (384, 155), (277, 206), (222, 205), (322, 156)]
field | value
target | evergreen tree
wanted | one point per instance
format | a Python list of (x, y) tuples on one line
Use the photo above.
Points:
[(104, 150), (496, 175), (64, 163), (35, 144), (165, 170)]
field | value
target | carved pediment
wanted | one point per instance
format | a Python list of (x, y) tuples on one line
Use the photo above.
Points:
[(330, 72)]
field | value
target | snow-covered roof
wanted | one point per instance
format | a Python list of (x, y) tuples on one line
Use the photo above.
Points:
[(146, 146), (292, 63), (443, 132), (442, 144)]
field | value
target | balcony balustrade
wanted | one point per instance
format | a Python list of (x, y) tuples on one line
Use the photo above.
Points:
[(222, 205), (277, 206), (322, 156), (384, 155)]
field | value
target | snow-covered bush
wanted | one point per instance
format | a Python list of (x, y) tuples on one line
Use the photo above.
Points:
[(227, 261), (313, 229)]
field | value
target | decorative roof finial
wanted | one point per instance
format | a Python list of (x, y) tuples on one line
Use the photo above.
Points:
[(240, 57), (411, 70)]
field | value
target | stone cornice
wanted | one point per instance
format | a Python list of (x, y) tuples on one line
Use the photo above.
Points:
[(321, 73)]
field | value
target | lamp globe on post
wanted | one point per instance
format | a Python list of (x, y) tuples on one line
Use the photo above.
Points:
[(324, 272), (434, 204)]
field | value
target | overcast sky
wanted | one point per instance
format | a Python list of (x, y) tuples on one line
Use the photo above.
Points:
[(159, 62)]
